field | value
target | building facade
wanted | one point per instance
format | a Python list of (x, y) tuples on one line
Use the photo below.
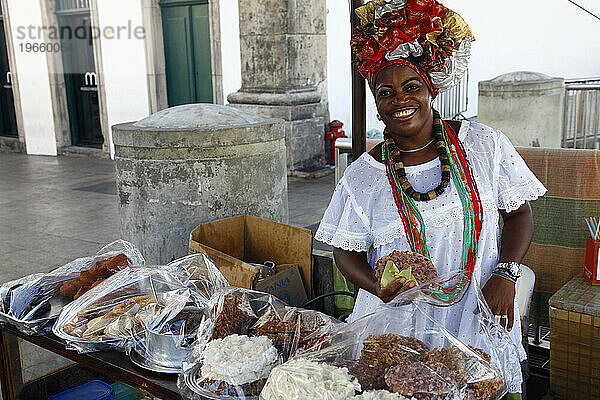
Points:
[(74, 68), (70, 69)]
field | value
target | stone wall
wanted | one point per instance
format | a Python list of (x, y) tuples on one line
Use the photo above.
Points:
[(526, 106)]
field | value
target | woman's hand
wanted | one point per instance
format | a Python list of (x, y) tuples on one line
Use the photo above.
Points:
[(392, 290), (356, 269), (514, 242), (499, 293)]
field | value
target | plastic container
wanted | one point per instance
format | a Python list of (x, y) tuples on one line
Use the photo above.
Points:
[(591, 266), (126, 392), (94, 390)]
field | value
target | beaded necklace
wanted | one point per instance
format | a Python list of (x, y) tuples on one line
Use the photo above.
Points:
[(454, 165)]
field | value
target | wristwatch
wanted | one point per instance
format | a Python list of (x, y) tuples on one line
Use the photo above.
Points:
[(511, 268)]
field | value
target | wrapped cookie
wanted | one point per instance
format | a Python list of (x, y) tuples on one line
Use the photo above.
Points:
[(121, 307), (402, 352), (406, 264)]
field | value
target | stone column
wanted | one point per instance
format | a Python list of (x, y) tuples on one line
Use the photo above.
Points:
[(526, 106), (283, 47)]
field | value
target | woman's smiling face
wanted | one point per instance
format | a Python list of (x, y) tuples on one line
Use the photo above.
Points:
[(403, 101)]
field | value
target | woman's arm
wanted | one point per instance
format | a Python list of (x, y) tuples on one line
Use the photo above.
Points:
[(516, 233), (514, 242), (354, 266)]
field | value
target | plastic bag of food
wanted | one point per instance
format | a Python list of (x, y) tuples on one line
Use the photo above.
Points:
[(204, 276), (414, 267), (111, 313), (463, 313), (232, 311), (246, 335), (235, 366), (294, 330), (468, 317), (247, 312), (397, 352), (33, 302)]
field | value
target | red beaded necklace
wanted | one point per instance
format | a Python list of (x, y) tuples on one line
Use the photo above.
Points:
[(405, 197)]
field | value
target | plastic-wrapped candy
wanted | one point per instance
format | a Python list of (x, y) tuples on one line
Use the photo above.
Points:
[(233, 311), (33, 302), (119, 308), (246, 335), (248, 312), (294, 330), (303, 379), (406, 264), (401, 349)]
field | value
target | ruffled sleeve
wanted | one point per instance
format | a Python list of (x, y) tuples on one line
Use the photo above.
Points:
[(514, 182), (344, 224)]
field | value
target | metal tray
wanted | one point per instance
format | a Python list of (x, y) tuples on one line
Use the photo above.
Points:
[(136, 356), (193, 383)]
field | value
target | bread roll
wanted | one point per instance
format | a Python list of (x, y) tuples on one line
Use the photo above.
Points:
[(70, 288), (81, 291)]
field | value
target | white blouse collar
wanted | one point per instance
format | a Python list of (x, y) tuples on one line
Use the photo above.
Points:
[(464, 127)]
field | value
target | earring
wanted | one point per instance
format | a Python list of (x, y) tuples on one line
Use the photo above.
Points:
[(432, 103), (379, 117)]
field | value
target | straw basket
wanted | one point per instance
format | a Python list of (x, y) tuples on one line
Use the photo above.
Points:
[(575, 341)]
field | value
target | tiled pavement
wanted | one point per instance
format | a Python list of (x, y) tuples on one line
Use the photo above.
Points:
[(55, 209)]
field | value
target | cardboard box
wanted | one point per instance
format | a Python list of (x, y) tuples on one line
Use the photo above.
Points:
[(286, 284), (591, 266), (235, 242)]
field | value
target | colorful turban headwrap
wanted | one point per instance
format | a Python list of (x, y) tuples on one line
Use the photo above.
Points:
[(421, 34)]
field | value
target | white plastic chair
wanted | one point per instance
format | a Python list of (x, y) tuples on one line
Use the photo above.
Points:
[(524, 293)]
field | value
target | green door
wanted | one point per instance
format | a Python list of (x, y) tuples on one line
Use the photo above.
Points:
[(8, 120), (81, 80), (186, 32)]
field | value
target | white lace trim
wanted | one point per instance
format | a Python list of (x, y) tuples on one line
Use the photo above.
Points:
[(514, 197), (438, 220), (342, 239)]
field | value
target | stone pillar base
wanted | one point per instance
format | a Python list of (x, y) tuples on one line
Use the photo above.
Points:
[(302, 112)]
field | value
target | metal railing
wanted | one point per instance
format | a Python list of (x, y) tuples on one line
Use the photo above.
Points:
[(72, 5), (452, 103), (581, 122)]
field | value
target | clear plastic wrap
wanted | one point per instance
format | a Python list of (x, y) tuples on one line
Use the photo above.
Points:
[(33, 302), (293, 330), (166, 338), (247, 333), (109, 315), (484, 331), (401, 348), (204, 276)]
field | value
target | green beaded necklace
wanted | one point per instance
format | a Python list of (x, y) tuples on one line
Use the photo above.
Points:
[(456, 166)]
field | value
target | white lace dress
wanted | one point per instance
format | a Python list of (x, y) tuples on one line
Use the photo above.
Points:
[(362, 216)]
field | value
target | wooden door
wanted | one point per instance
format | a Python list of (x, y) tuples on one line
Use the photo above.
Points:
[(81, 82), (186, 32)]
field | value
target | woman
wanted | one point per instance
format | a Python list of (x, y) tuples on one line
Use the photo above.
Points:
[(433, 187)]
